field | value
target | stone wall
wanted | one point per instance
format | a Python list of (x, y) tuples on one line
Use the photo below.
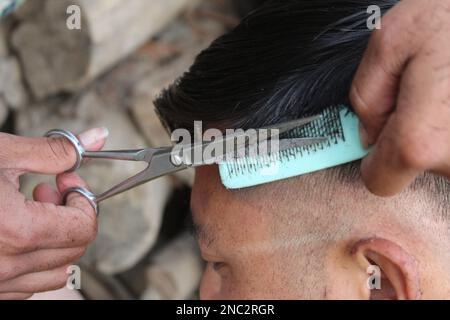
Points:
[(108, 75)]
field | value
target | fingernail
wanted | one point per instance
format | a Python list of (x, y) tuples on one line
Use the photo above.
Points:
[(92, 136), (363, 136)]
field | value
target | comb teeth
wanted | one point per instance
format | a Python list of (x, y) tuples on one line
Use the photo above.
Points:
[(338, 124)]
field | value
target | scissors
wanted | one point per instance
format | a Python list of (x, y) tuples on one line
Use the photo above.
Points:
[(163, 161)]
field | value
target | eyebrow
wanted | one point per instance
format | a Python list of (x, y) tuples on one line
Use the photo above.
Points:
[(201, 232)]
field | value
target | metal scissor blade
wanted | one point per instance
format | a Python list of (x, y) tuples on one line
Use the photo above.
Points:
[(126, 155), (255, 137), (287, 126), (160, 164)]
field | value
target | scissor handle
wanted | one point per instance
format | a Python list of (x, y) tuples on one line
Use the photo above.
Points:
[(79, 149), (89, 196)]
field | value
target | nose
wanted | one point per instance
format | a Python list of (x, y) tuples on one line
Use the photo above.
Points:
[(210, 286)]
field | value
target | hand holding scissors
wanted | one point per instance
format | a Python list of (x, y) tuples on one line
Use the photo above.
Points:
[(161, 160)]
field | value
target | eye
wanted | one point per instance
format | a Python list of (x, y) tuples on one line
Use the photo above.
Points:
[(214, 264), (217, 266)]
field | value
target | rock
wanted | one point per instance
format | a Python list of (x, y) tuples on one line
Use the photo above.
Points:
[(3, 112), (175, 272), (3, 42), (149, 87), (12, 89), (145, 93), (98, 286), (30, 10), (128, 223), (57, 58), (143, 110)]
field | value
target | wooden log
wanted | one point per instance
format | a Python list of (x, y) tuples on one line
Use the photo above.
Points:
[(57, 59)]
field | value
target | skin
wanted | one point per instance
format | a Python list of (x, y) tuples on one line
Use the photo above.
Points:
[(40, 238), (401, 92), (313, 237)]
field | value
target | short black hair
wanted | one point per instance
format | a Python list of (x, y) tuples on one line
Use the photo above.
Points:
[(286, 60)]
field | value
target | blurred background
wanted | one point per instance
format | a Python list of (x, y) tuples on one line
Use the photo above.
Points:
[(107, 74)]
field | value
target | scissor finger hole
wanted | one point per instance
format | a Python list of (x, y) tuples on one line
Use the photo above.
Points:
[(86, 194), (79, 149)]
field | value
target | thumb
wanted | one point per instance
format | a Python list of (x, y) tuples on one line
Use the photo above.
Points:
[(51, 155), (373, 94), (385, 170)]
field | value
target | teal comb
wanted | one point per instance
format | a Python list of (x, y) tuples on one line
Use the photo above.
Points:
[(338, 124)]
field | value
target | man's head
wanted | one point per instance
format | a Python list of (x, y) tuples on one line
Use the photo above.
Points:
[(314, 236)]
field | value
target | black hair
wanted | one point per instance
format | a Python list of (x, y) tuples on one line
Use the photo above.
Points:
[(286, 60), (243, 8)]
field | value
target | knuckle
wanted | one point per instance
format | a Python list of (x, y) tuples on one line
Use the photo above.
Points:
[(93, 230), (34, 230), (60, 150), (384, 49), (22, 235), (358, 101), (381, 43), (60, 279), (26, 242), (77, 254), (7, 271), (412, 153), (16, 241)]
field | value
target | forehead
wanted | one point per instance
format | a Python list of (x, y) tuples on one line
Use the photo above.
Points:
[(223, 218), (301, 208)]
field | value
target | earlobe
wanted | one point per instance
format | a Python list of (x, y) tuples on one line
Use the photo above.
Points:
[(392, 272)]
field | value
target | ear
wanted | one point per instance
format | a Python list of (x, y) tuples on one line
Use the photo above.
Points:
[(373, 268)]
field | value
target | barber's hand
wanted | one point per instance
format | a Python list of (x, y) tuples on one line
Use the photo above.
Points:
[(39, 239), (402, 94)]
